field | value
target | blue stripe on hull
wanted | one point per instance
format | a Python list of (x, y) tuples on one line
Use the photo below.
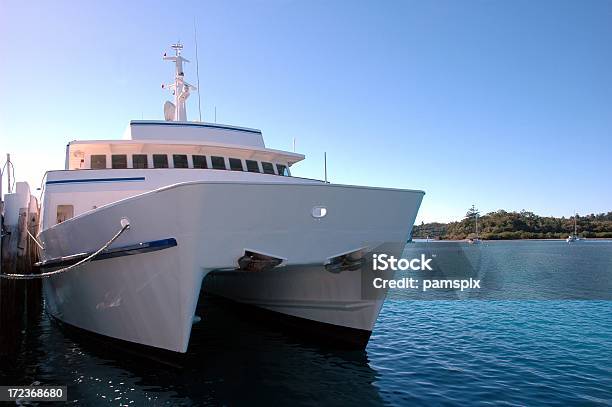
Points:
[(130, 250), (91, 180)]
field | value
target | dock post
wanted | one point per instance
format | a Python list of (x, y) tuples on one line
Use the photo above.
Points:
[(20, 300)]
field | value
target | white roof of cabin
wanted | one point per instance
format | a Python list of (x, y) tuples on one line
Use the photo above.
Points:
[(193, 131)]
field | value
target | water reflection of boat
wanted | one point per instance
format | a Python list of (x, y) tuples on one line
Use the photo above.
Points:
[(234, 347)]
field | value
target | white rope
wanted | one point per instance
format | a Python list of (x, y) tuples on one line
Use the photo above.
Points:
[(124, 226), (35, 240)]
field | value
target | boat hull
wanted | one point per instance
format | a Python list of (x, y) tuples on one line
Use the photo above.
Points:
[(150, 297), (307, 292)]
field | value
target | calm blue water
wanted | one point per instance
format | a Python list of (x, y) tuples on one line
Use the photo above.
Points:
[(447, 352)]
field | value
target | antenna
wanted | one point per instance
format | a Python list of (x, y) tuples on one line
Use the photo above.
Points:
[(195, 36), (294, 144), (215, 114), (325, 164), (8, 172)]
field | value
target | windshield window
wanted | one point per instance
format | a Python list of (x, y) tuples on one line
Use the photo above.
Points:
[(218, 163)]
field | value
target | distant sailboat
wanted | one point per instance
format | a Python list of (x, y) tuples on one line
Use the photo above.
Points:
[(574, 237), (475, 240)]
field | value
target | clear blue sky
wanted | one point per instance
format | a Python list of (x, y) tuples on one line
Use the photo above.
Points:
[(505, 104)]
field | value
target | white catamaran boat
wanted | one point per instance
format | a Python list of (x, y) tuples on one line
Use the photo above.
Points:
[(194, 202)]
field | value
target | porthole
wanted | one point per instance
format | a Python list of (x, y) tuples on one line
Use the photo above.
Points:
[(319, 212)]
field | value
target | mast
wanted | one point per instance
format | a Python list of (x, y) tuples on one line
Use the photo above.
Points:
[(177, 111), (575, 226), (474, 212), (8, 173)]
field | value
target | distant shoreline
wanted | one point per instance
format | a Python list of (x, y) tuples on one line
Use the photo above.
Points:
[(424, 240), (523, 225)]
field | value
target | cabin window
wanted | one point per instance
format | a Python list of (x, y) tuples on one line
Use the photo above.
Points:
[(119, 160), (98, 162), (180, 161), (268, 168), (282, 170), (139, 161), (160, 161), (218, 163), (235, 164), (199, 161), (252, 166), (64, 212)]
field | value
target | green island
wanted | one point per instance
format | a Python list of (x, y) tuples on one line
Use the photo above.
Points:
[(503, 225)]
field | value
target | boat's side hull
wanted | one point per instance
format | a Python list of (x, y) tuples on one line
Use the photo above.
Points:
[(147, 298), (150, 298)]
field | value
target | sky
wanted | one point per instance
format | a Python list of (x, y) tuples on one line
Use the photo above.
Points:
[(501, 104)]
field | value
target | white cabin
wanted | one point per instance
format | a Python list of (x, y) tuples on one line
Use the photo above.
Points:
[(159, 144), (154, 154)]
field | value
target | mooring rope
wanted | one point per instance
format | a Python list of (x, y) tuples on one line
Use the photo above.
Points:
[(35, 240), (125, 225)]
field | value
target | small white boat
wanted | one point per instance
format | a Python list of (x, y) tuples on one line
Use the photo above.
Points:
[(208, 202), (574, 237)]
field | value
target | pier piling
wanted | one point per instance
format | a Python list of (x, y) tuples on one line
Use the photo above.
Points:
[(20, 300)]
